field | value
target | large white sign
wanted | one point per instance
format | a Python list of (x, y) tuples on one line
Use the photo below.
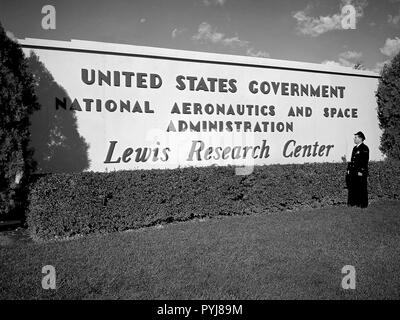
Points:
[(144, 108)]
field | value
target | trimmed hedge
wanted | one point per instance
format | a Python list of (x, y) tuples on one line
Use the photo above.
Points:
[(65, 205)]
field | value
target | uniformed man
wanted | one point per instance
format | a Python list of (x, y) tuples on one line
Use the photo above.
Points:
[(357, 173)]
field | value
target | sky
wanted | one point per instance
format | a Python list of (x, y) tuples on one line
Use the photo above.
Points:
[(301, 30)]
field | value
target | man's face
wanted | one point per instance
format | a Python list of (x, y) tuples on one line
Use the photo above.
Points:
[(357, 139)]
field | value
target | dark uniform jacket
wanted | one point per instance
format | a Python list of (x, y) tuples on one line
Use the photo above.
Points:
[(359, 161)]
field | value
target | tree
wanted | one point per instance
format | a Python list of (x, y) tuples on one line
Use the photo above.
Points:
[(17, 103), (388, 98), (359, 65)]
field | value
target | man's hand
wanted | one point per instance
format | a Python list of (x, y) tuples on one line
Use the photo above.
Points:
[(359, 174)]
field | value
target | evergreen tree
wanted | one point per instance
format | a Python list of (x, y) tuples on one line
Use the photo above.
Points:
[(17, 102), (359, 66), (388, 97)]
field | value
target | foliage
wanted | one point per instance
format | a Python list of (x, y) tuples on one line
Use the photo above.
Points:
[(388, 98), (65, 205), (17, 102)]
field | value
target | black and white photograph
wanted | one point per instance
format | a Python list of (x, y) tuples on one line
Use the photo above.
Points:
[(199, 156)]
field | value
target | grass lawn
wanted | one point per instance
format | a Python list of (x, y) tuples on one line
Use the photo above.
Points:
[(292, 255)]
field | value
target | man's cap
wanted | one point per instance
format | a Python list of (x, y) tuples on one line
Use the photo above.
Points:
[(360, 134)]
